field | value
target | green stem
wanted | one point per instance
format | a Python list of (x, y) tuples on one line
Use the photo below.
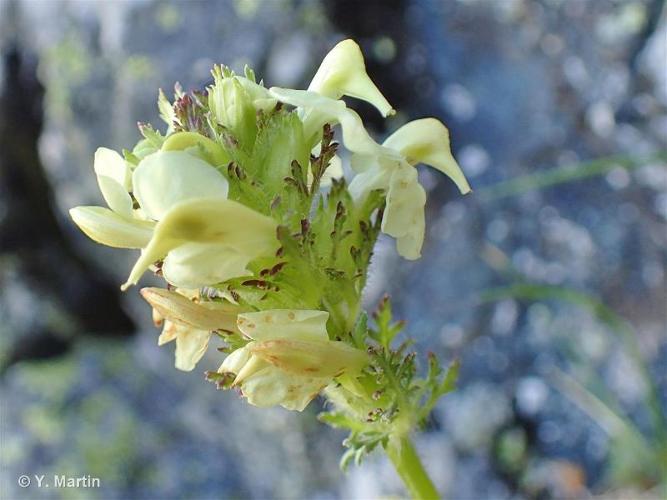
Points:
[(402, 454)]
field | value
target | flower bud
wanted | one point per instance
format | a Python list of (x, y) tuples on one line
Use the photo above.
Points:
[(232, 107), (261, 100)]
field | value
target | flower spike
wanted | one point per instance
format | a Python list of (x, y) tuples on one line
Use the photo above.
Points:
[(243, 208)]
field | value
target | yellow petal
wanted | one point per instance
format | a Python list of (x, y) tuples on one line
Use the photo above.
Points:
[(194, 265), (404, 212), (235, 361), (369, 180), (108, 228), (116, 196), (427, 141), (182, 311), (405, 201), (271, 386), (409, 245), (166, 178), (115, 180), (284, 323), (191, 345), (169, 332), (250, 368), (208, 221), (343, 72), (110, 164)]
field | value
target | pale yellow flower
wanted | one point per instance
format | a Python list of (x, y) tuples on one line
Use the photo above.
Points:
[(427, 141), (189, 322), (219, 236), (171, 186), (390, 167), (290, 358), (168, 179), (342, 72)]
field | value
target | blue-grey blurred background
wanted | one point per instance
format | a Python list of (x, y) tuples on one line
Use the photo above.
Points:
[(548, 282)]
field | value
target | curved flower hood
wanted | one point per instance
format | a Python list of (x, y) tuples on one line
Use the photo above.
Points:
[(343, 72)]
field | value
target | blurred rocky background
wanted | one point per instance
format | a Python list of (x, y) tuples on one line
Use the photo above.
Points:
[(548, 282)]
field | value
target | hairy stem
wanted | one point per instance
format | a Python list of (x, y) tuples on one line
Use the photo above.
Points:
[(402, 454)]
